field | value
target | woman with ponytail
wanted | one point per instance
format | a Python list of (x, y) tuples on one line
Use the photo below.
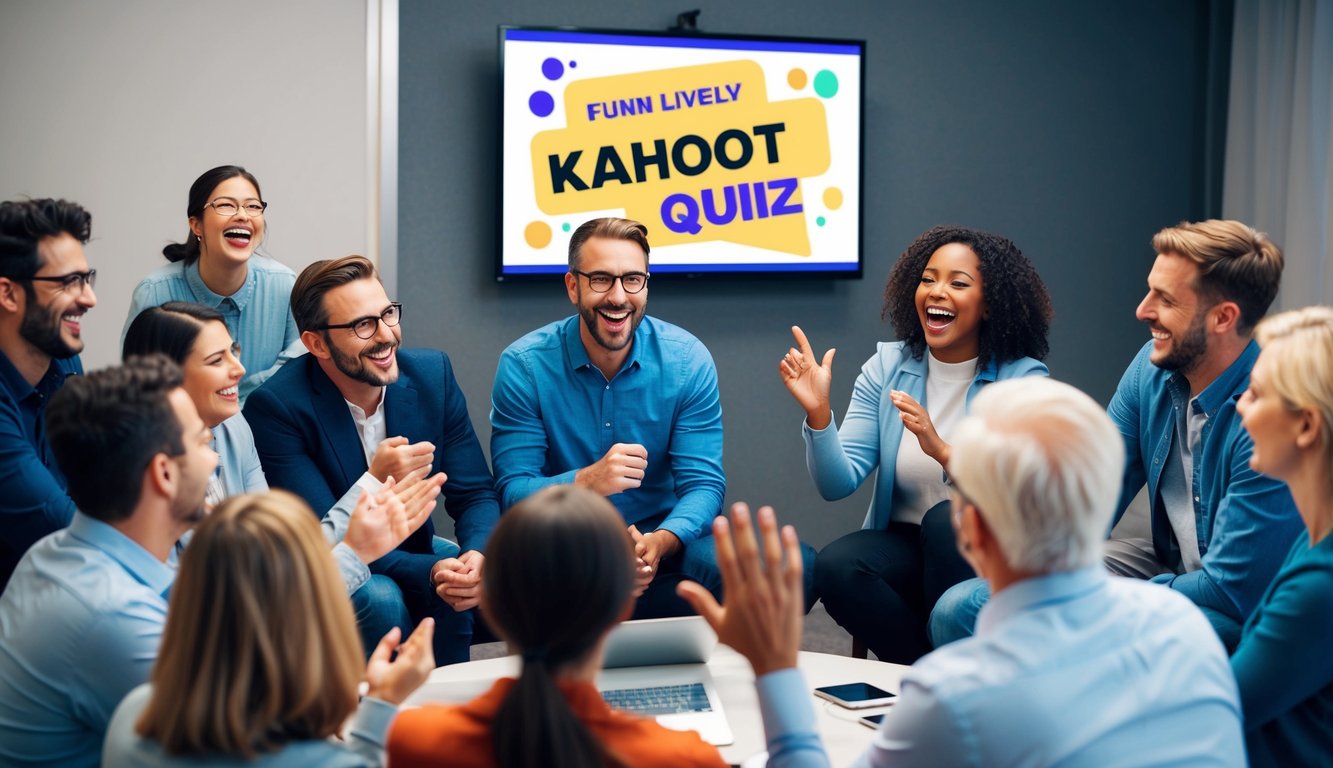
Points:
[(217, 266), (555, 611)]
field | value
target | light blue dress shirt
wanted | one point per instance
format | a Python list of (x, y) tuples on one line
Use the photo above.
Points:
[(1071, 669), (364, 746), (258, 315), (841, 457), (553, 413), (80, 625), (238, 462)]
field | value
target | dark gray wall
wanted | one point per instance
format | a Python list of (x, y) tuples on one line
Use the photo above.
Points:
[(1073, 128)]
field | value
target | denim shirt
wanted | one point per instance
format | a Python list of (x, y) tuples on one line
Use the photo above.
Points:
[(1245, 521), (840, 458)]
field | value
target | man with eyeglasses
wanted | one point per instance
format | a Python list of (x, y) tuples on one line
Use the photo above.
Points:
[(358, 409), (45, 288), (624, 405)]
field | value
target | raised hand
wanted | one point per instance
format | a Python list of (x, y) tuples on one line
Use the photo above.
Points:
[(765, 600), (621, 469), (393, 681), (917, 421), (808, 381)]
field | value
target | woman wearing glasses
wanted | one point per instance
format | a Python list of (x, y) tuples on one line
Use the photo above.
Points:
[(217, 266), (260, 663), (968, 309), (1282, 665)]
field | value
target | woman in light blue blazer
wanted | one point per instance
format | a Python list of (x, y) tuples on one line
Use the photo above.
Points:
[(968, 309)]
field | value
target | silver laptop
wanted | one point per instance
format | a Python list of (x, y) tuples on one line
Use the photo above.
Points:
[(656, 668)]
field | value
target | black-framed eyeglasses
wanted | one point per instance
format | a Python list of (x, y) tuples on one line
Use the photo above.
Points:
[(365, 327), (74, 282), (225, 206), (601, 282)]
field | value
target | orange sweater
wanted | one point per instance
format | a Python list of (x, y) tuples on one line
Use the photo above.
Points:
[(460, 736)]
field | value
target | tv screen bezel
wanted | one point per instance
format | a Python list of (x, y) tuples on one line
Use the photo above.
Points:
[(781, 272)]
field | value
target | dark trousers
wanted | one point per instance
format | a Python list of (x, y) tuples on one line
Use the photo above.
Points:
[(400, 594), (881, 585)]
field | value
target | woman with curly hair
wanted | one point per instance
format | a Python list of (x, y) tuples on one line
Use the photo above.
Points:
[(968, 309)]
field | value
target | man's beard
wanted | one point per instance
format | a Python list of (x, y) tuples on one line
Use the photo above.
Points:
[(354, 367), (42, 331), (1188, 350), (589, 316)]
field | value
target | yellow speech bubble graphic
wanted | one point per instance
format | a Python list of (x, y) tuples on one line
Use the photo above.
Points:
[(697, 153)]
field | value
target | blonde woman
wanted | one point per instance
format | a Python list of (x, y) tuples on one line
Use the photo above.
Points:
[(1282, 664), (260, 660)]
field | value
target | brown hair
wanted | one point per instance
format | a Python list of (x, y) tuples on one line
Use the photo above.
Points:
[(553, 609), (260, 646), (318, 279), (611, 229), (1236, 263)]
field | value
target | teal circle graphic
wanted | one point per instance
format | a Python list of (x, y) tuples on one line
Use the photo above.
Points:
[(826, 84), (564, 227), (819, 220)]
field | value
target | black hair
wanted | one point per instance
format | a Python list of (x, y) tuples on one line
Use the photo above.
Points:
[(170, 329), (554, 609), (105, 427), (1018, 308), (23, 224), (200, 191)]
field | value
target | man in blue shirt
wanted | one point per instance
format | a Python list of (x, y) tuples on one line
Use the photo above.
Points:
[(82, 618), (1069, 665), (45, 288), (622, 404), (1220, 530)]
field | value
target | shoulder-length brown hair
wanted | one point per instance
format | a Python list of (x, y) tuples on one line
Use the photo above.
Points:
[(260, 646)]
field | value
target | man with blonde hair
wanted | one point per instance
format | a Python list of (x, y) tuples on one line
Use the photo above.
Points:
[(1220, 530), (1069, 665)]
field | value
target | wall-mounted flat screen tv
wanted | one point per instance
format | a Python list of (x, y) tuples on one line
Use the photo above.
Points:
[(741, 154)]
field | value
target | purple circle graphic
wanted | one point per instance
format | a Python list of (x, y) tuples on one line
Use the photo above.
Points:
[(553, 69), (573, 65), (541, 103)]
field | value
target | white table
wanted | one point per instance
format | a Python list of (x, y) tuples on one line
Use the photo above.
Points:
[(844, 738)]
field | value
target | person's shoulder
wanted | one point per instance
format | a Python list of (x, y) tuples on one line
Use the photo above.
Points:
[(1022, 366), (172, 271), (291, 378), (1154, 612), (671, 338), (267, 265), (548, 337)]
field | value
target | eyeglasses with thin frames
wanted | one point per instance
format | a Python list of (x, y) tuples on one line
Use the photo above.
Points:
[(365, 327), (74, 282), (225, 206), (601, 282)]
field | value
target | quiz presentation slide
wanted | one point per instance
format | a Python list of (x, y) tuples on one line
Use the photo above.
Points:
[(739, 154)]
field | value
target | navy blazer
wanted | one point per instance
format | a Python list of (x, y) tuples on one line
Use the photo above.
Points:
[(308, 442)]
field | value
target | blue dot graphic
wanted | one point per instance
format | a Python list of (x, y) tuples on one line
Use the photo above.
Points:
[(553, 69), (541, 103)]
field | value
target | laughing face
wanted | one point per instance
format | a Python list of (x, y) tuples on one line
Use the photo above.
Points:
[(950, 303), (372, 361), (1175, 314), (609, 319), (234, 237), (53, 315), (212, 372)]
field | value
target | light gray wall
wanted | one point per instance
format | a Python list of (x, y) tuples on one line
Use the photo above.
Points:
[(121, 105), (1073, 128)]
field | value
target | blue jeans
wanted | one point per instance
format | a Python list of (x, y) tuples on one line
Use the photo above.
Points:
[(400, 594), (697, 561)]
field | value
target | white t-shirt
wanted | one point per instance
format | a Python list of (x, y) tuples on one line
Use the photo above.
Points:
[(918, 480)]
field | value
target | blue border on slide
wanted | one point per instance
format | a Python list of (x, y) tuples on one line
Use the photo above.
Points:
[(727, 44)]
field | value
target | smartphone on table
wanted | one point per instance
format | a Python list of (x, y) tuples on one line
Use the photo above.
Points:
[(856, 695), (872, 721)]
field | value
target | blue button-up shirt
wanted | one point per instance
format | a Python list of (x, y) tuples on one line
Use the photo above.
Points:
[(553, 413), (79, 628), (1245, 521), (33, 501), (1076, 668), (258, 315)]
